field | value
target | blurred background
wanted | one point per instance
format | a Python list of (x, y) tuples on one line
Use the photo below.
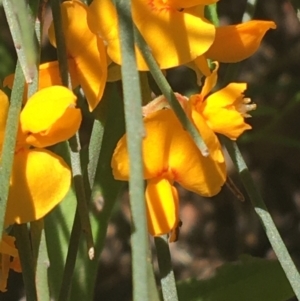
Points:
[(221, 228)]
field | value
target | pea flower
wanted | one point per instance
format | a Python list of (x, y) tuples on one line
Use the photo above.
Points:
[(85, 48), (176, 30), (224, 110), (40, 179), (170, 155), (8, 250)]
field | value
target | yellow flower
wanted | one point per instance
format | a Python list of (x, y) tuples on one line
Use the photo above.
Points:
[(224, 110), (234, 43), (40, 179), (8, 250), (176, 30), (85, 48), (170, 155)]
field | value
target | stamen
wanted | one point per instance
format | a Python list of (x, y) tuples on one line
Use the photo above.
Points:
[(245, 106)]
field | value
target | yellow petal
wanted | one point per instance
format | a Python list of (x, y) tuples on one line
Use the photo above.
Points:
[(7, 246), (210, 81), (4, 270), (221, 111), (162, 206), (174, 37), (235, 43), (40, 180), (202, 65), (50, 116), (168, 148), (48, 76), (4, 104), (85, 48)]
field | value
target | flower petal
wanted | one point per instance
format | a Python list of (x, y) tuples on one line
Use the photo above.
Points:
[(40, 180), (4, 104), (210, 81), (85, 48), (50, 116), (244, 38), (221, 111), (162, 206), (168, 148), (174, 37)]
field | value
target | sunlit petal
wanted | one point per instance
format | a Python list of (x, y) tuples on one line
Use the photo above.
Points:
[(174, 37), (50, 116), (162, 206), (4, 104), (40, 180), (221, 110), (85, 48), (235, 43)]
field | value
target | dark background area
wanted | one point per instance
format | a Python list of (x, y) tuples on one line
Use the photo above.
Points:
[(221, 228)]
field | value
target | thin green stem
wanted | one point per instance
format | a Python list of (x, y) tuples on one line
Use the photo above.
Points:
[(135, 133), (60, 42), (40, 258), (66, 284), (27, 262), (212, 14), (265, 217), (94, 150), (80, 194), (9, 141), (169, 94), (22, 32), (167, 279)]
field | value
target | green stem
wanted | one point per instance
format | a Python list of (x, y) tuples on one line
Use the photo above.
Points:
[(22, 32), (9, 141), (27, 262), (71, 259), (167, 279), (41, 259), (212, 14), (135, 133), (94, 150), (169, 94), (265, 217)]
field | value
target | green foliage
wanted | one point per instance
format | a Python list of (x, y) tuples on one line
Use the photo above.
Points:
[(251, 279)]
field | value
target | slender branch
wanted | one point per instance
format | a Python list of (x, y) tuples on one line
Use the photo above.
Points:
[(167, 279)]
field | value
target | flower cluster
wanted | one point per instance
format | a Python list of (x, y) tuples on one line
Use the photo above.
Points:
[(178, 33)]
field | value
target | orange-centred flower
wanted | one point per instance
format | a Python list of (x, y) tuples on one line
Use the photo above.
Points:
[(175, 30), (40, 179), (85, 48), (224, 111), (8, 251), (170, 155)]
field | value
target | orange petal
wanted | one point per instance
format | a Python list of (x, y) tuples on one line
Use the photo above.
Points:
[(4, 270), (49, 75), (40, 180), (4, 104), (85, 48), (162, 206), (167, 147), (210, 81), (235, 43), (221, 111), (7, 246), (174, 37), (50, 116)]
